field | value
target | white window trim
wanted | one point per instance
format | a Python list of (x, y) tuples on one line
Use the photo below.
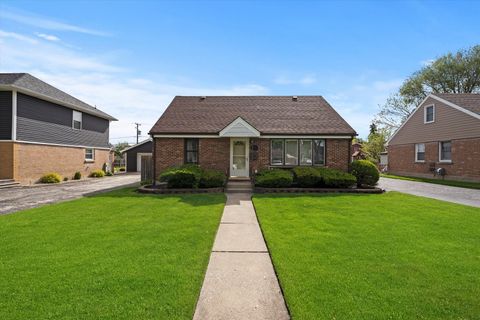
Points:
[(285, 152), (73, 119), (300, 152), (416, 152), (93, 155), (425, 114), (271, 152), (440, 152)]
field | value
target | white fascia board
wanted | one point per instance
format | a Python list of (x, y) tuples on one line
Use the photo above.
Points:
[(306, 137), (185, 136), (253, 132), (136, 145)]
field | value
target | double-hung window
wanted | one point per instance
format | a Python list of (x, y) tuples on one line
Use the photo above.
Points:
[(89, 154), (294, 152), (445, 152), (429, 113), (420, 152), (77, 120), (191, 151)]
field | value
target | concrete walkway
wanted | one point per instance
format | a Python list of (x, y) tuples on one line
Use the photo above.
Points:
[(240, 282), (469, 197), (16, 199)]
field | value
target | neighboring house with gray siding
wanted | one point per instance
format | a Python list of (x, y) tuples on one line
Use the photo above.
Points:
[(443, 132), (43, 129), (133, 155)]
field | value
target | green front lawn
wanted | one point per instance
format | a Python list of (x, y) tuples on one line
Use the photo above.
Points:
[(451, 183), (119, 255), (389, 256)]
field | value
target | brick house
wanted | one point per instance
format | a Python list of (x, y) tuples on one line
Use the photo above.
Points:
[(242, 134), (443, 132), (43, 129)]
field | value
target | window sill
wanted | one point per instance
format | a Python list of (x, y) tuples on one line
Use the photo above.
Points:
[(419, 161), (445, 161), (89, 161)]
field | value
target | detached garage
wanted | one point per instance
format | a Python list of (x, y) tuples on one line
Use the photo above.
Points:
[(134, 154)]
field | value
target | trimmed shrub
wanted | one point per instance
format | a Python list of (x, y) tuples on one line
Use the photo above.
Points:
[(332, 178), (179, 178), (109, 173), (212, 179), (51, 178), (365, 171), (77, 175), (65, 178), (97, 174), (306, 177), (121, 169), (274, 178)]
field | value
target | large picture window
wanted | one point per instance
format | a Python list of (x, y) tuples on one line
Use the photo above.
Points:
[(293, 152), (191, 151), (277, 152), (318, 152), (445, 151)]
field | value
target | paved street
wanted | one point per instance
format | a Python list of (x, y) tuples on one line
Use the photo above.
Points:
[(15, 199), (470, 197)]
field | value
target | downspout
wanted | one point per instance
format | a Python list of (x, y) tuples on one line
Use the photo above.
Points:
[(154, 161)]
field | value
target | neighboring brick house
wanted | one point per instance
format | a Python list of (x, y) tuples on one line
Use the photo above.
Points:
[(443, 132), (242, 134), (43, 129)]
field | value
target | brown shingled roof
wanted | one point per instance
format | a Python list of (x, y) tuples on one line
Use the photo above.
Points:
[(268, 114), (469, 101)]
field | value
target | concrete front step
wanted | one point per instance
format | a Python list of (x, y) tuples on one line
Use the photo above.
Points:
[(8, 183)]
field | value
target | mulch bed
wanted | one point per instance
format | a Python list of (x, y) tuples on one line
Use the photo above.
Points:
[(319, 190), (150, 190)]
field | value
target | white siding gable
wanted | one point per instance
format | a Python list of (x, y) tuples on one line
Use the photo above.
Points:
[(239, 128)]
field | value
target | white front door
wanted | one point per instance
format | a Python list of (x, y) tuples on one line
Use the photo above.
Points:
[(239, 157)]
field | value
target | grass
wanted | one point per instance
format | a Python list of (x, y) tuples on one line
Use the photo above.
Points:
[(451, 183), (389, 256), (119, 255)]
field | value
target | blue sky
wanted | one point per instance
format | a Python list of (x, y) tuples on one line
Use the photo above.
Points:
[(131, 58)]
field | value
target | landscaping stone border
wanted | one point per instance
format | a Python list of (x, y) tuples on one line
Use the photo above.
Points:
[(148, 190), (319, 190)]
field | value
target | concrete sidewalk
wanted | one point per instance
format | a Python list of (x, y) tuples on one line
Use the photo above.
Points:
[(240, 282)]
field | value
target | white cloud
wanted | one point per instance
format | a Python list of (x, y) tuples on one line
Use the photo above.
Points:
[(98, 82), (48, 37), (45, 23)]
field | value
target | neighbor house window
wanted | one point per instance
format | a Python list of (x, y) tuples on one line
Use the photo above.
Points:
[(446, 151), (191, 151), (77, 120), (420, 152), (277, 152), (318, 152), (291, 152), (429, 114), (306, 152), (89, 154)]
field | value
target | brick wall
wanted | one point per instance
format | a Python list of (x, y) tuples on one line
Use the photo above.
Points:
[(465, 163), (215, 154), (261, 158), (337, 154), (6, 160), (32, 161), (169, 152)]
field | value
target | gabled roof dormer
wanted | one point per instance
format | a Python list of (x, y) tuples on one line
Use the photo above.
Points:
[(239, 128)]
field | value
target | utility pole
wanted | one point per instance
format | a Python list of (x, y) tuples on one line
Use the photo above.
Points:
[(138, 131)]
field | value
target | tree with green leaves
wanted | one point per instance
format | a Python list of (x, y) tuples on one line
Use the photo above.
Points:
[(375, 143), (119, 147), (452, 73)]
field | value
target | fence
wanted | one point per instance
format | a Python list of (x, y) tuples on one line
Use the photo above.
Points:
[(146, 173)]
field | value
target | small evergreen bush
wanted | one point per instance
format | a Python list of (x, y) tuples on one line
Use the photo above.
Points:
[(97, 174), (306, 177), (51, 178), (212, 179), (365, 171), (274, 178), (77, 175), (332, 178), (179, 178)]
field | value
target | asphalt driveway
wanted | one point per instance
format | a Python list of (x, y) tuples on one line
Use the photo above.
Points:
[(470, 197), (16, 199)]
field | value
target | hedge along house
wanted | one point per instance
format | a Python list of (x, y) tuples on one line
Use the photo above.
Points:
[(242, 134), (43, 129), (443, 132)]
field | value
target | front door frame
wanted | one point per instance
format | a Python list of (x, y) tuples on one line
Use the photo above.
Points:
[(247, 154)]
